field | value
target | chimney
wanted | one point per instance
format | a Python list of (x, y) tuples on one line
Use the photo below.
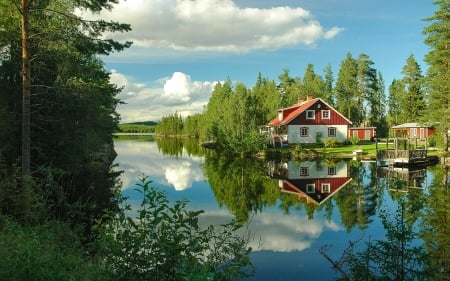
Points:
[(300, 100), (309, 97)]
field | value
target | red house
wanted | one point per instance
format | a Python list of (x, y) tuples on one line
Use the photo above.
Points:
[(363, 133), (413, 131), (310, 121)]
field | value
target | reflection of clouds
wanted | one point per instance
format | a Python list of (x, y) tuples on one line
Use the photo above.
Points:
[(278, 232), (143, 158), (181, 174)]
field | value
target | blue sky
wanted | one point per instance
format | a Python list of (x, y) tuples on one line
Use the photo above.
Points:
[(183, 47)]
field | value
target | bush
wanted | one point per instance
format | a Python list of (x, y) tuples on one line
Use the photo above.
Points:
[(45, 252), (354, 140), (165, 242), (331, 142)]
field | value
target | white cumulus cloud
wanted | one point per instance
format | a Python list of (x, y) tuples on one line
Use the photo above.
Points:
[(177, 93), (215, 25)]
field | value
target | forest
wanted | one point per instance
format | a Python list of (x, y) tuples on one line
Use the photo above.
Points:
[(62, 216), (234, 112)]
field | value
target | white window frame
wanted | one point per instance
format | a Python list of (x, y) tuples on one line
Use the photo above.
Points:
[(310, 188), (309, 112), (304, 171), (332, 129), (326, 187), (326, 114), (302, 129), (332, 171)]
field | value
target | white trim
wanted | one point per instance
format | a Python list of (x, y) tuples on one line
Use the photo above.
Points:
[(329, 114), (313, 114), (326, 187), (310, 188)]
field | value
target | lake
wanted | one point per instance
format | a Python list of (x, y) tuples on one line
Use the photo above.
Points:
[(291, 208)]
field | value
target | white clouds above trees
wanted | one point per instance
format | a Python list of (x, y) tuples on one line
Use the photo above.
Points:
[(176, 93), (215, 25)]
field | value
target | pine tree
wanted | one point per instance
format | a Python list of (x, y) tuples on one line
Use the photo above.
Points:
[(412, 103), (437, 79)]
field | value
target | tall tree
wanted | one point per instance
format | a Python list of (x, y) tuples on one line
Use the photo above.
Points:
[(289, 88), (396, 91), (438, 39), (313, 84), (377, 103), (412, 103), (366, 86), (346, 86), (329, 84), (33, 12)]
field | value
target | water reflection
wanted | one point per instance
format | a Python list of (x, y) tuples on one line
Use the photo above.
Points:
[(138, 158), (292, 208), (313, 181)]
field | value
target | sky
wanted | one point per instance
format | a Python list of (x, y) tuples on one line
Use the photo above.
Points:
[(182, 48)]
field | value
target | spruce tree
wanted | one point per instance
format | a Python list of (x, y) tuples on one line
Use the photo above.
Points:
[(437, 79)]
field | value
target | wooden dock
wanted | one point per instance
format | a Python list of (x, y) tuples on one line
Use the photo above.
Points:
[(403, 152)]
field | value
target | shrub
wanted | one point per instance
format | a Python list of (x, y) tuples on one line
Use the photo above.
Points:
[(45, 252), (331, 142), (354, 140), (165, 242)]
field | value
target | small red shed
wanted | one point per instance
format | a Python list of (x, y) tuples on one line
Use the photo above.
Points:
[(363, 133)]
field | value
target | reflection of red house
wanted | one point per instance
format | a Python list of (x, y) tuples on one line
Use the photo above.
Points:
[(314, 181), (314, 190), (363, 133), (413, 131)]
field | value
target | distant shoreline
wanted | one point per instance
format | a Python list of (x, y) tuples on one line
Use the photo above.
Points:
[(133, 134)]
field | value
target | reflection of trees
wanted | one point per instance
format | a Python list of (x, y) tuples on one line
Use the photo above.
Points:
[(240, 184), (397, 257), (174, 146), (357, 202), (435, 226), (406, 186)]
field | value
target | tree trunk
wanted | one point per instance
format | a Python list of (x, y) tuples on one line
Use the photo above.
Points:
[(26, 88)]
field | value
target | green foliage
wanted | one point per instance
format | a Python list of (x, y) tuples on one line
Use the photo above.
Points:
[(50, 251), (394, 258), (136, 128), (166, 242), (354, 140), (171, 125), (330, 142), (240, 185), (437, 78)]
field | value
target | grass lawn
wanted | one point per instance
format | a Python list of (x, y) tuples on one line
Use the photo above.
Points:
[(369, 150)]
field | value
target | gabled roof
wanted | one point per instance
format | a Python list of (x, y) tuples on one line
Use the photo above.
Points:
[(290, 113)]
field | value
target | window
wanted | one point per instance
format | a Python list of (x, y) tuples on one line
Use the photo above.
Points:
[(310, 114), (355, 133), (325, 114), (331, 171), (326, 188), (304, 132), (332, 132), (310, 188), (304, 171)]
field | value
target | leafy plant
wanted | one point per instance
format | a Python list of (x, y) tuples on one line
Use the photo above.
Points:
[(331, 142), (46, 252), (165, 242)]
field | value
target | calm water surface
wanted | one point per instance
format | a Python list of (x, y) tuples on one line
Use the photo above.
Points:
[(292, 208)]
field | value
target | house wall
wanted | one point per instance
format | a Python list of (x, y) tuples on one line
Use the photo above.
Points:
[(334, 119), (361, 132), (414, 132), (313, 130)]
